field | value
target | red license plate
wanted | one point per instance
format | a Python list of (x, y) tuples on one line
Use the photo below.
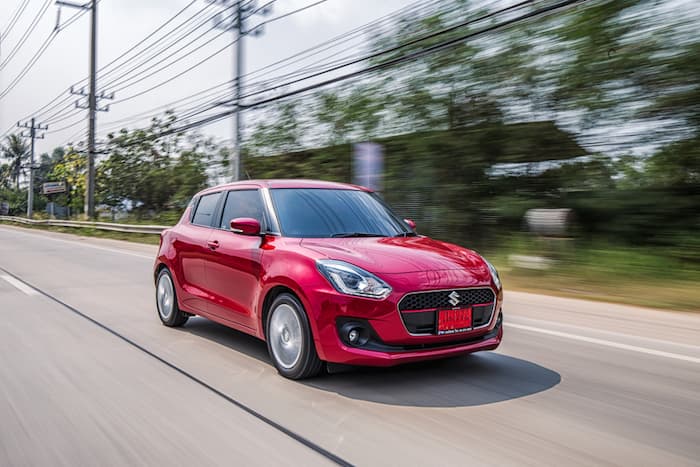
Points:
[(452, 321)]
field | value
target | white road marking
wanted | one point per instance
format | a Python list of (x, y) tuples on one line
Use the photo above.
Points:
[(612, 334), (89, 245), (616, 345), (21, 286)]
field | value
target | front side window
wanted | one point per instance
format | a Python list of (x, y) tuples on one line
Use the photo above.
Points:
[(205, 209), (314, 212), (242, 203)]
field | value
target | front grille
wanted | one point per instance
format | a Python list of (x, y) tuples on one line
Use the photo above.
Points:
[(423, 322), (441, 300)]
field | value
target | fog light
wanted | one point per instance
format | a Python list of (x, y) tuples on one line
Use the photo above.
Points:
[(354, 335)]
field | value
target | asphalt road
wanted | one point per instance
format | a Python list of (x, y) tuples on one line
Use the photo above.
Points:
[(89, 376)]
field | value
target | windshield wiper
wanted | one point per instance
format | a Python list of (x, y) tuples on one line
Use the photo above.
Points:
[(356, 234), (406, 234)]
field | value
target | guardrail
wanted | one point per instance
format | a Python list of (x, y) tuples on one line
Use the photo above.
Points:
[(128, 228)]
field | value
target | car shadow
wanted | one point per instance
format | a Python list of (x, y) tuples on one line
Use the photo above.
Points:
[(471, 380)]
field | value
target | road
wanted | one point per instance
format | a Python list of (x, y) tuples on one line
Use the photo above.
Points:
[(89, 376)]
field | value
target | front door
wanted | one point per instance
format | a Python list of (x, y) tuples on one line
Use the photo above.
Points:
[(234, 265)]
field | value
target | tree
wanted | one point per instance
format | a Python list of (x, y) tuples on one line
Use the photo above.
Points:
[(71, 168), (149, 172), (17, 152), (280, 131)]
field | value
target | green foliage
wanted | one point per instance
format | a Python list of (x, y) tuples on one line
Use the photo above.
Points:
[(149, 173), (70, 168), (16, 151), (283, 135)]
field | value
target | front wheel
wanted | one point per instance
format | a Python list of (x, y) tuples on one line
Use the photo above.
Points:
[(289, 339), (166, 301)]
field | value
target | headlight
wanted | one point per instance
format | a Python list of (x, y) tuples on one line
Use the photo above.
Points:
[(349, 279), (494, 274)]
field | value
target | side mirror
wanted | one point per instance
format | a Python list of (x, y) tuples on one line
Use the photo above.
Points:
[(245, 226), (410, 223)]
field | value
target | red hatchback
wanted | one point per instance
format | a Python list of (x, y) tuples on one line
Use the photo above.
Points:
[(324, 272)]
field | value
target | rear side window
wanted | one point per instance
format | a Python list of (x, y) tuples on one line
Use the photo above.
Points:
[(243, 203), (205, 209)]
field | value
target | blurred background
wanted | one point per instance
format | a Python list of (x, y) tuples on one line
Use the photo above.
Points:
[(560, 139)]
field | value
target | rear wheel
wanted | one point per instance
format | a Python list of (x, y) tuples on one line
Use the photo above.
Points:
[(166, 301), (289, 339)]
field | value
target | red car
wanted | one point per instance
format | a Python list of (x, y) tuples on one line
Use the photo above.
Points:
[(324, 272)]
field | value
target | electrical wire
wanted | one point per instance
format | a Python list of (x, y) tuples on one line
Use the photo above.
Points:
[(37, 55), (61, 99), (61, 113), (395, 48), (120, 85), (13, 20), (293, 12), (142, 78), (151, 34), (388, 63), (151, 53), (342, 39), (27, 33)]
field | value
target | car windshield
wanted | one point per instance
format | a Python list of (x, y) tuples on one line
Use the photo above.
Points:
[(317, 212)]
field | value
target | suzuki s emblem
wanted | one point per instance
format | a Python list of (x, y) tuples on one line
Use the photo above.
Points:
[(454, 298)]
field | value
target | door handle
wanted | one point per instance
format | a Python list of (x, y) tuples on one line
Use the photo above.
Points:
[(213, 244)]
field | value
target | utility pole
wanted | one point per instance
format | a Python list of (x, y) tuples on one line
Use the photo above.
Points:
[(92, 98), (242, 10), (32, 127), (236, 163)]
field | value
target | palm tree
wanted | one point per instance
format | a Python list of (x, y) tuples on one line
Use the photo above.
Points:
[(17, 152)]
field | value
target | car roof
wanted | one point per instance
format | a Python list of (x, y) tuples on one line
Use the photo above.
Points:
[(285, 183)]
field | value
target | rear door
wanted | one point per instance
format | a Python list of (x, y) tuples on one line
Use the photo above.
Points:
[(192, 251), (234, 265)]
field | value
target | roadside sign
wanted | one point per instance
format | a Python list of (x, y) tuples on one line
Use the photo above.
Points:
[(49, 188)]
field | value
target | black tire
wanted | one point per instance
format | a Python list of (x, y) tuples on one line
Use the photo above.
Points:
[(308, 364), (175, 317)]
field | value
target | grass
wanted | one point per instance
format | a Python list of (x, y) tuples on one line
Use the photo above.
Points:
[(603, 272)]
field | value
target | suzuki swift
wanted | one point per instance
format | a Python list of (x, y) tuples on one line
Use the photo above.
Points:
[(324, 272)]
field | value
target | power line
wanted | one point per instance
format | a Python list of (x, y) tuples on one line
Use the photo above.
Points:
[(392, 62), (167, 65), (37, 55), (178, 75), (318, 48), (27, 33), (153, 33), (208, 94), (29, 65), (385, 51), (397, 47), (209, 57), (293, 12), (325, 45), (417, 9), (13, 20), (62, 98), (147, 55)]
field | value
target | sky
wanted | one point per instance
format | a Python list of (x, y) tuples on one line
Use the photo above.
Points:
[(123, 23)]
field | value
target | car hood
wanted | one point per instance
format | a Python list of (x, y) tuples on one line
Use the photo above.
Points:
[(397, 255)]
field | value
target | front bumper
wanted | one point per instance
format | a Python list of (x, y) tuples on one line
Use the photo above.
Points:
[(377, 353), (388, 342)]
